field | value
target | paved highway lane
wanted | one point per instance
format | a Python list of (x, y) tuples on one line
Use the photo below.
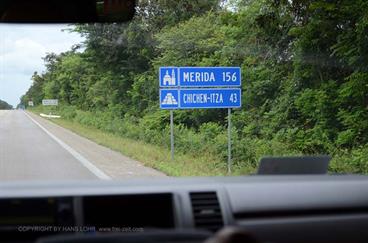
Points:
[(32, 148), (27, 152)]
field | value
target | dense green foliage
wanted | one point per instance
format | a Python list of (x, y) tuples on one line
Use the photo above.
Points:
[(304, 65), (5, 106)]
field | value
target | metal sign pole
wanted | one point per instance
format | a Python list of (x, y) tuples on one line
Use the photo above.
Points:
[(172, 133), (229, 141)]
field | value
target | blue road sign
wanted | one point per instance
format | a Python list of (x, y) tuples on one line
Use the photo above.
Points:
[(200, 77), (169, 99), (200, 98), (209, 76), (209, 98), (169, 77)]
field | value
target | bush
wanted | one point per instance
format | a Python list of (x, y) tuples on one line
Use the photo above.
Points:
[(350, 161)]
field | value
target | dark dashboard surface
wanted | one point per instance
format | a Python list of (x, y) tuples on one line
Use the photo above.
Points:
[(272, 208)]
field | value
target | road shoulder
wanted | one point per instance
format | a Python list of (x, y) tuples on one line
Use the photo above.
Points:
[(114, 164)]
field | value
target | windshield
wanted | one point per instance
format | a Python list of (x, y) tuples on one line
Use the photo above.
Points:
[(262, 78)]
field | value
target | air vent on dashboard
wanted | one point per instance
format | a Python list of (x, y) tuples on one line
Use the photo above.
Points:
[(206, 210)]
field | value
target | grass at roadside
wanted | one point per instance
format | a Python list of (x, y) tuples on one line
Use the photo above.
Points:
[(151, 155)]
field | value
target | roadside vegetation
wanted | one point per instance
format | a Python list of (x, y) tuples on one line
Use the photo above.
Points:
[(304, 68), (153, 152), (5, 106)]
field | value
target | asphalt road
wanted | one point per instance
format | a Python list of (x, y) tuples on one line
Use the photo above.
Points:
[(32, 148)]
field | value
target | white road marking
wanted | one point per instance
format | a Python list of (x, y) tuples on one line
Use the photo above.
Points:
[(85, 162)]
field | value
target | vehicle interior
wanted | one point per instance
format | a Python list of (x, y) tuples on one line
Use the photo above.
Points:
[(309, 208), (290, 199)]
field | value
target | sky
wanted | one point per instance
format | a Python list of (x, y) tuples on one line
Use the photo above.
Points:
[(21, 50)]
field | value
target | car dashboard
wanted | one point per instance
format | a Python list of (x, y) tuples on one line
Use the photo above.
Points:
[(270, 208)]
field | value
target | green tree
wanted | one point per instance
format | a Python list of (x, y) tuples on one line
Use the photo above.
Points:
[(5, 106)]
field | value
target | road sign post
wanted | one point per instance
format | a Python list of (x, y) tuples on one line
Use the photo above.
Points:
[(200, 88), (229, 141), (172, 134)]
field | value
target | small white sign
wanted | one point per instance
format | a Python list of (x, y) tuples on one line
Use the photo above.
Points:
[(50, 102), (30, 103)]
